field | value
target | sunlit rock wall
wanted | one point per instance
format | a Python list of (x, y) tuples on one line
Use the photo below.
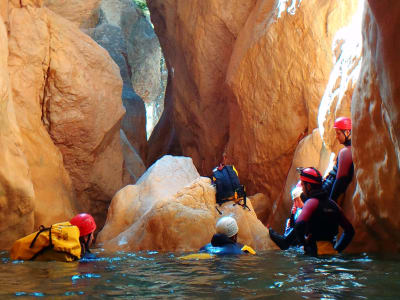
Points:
[(319, 148), (247, 77), (197, 38), (376, 130), (173, 213), (67, 98), (16, 189)]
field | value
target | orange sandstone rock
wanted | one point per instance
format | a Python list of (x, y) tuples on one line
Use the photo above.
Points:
[(375, 111), (16, 189), (173, 213), (83, 13), (67, 94)]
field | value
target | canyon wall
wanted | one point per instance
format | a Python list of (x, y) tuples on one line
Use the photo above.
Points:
[(63, 104)]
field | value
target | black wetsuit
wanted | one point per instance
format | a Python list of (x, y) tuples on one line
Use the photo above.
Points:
[(221, 244), (319, 221)]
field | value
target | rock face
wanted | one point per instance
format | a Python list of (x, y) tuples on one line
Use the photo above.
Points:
[(84, 14), (241, 72), (375, 108), (319, 148), (162, 212), (67, 96), (16, 189)]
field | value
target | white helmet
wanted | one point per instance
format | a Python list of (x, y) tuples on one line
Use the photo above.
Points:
[(228, 226)]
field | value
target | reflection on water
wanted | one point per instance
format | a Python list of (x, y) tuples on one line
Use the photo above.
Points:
[(273, 274)]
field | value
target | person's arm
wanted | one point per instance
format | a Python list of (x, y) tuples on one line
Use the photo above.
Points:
[(348, 232), (342, 176), (308, 209)]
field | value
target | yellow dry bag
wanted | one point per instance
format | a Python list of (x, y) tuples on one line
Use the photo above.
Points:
[(58, 242)]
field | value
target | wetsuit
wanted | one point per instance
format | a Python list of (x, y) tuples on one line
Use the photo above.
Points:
[(319, 220), (221, 244), (345, 170)]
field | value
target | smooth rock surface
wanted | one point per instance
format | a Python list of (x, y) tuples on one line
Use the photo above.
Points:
[(376, 130), (16, 189), (173, 213), (83, 13)]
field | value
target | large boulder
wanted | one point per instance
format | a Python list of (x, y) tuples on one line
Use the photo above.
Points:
[(376, 130), (16, 189), (67, 94), (167, 206)]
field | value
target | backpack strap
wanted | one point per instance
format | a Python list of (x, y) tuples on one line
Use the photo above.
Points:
[(50, 246)]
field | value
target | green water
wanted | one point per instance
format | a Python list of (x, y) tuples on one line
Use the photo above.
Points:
[(150, 275)]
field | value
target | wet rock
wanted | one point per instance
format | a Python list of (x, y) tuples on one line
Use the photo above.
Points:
[(167, 206), (16, 189)]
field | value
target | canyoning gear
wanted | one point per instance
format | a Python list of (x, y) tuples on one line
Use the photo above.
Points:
[(320, 220), (329, 180), (344, 175), (58, 242), (226, 181), (227, 226), (85, 223), (197, 256), (310, 174), (222, 245), (342, 123)]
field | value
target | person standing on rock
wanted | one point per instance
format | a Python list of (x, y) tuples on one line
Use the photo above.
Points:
[(225, 239), (340, 177), (318, 224)]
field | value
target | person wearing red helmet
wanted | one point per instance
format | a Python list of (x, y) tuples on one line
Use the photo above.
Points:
[(340, 177), (87, 226), (318, 224)]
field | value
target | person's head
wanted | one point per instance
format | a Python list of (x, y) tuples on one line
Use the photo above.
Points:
[(296, 193), (342, 128), (228, 226), (87, 226), (311, 179)]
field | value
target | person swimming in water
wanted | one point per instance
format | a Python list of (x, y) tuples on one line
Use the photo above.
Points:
[(224, 241)]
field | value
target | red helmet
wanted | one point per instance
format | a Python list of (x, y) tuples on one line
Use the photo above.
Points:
[(85, 223), (310, 175), (342, 123)]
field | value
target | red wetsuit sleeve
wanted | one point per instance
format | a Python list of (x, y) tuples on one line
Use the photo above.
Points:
[(308, 209), (345, 160)]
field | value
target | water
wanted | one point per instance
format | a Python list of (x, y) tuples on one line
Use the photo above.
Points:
[(150, 275)]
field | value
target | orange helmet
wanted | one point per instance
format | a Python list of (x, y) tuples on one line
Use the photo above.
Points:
[(85, 223)]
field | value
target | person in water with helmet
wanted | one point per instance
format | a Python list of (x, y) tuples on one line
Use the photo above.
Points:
[(296, 194), (340, 177), (224, 241), (87, 226), (318, 224), (66, 241)]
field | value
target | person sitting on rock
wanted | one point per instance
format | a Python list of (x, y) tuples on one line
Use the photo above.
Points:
[(341, 175), (225, 239), (225, 178), (318, 224)]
